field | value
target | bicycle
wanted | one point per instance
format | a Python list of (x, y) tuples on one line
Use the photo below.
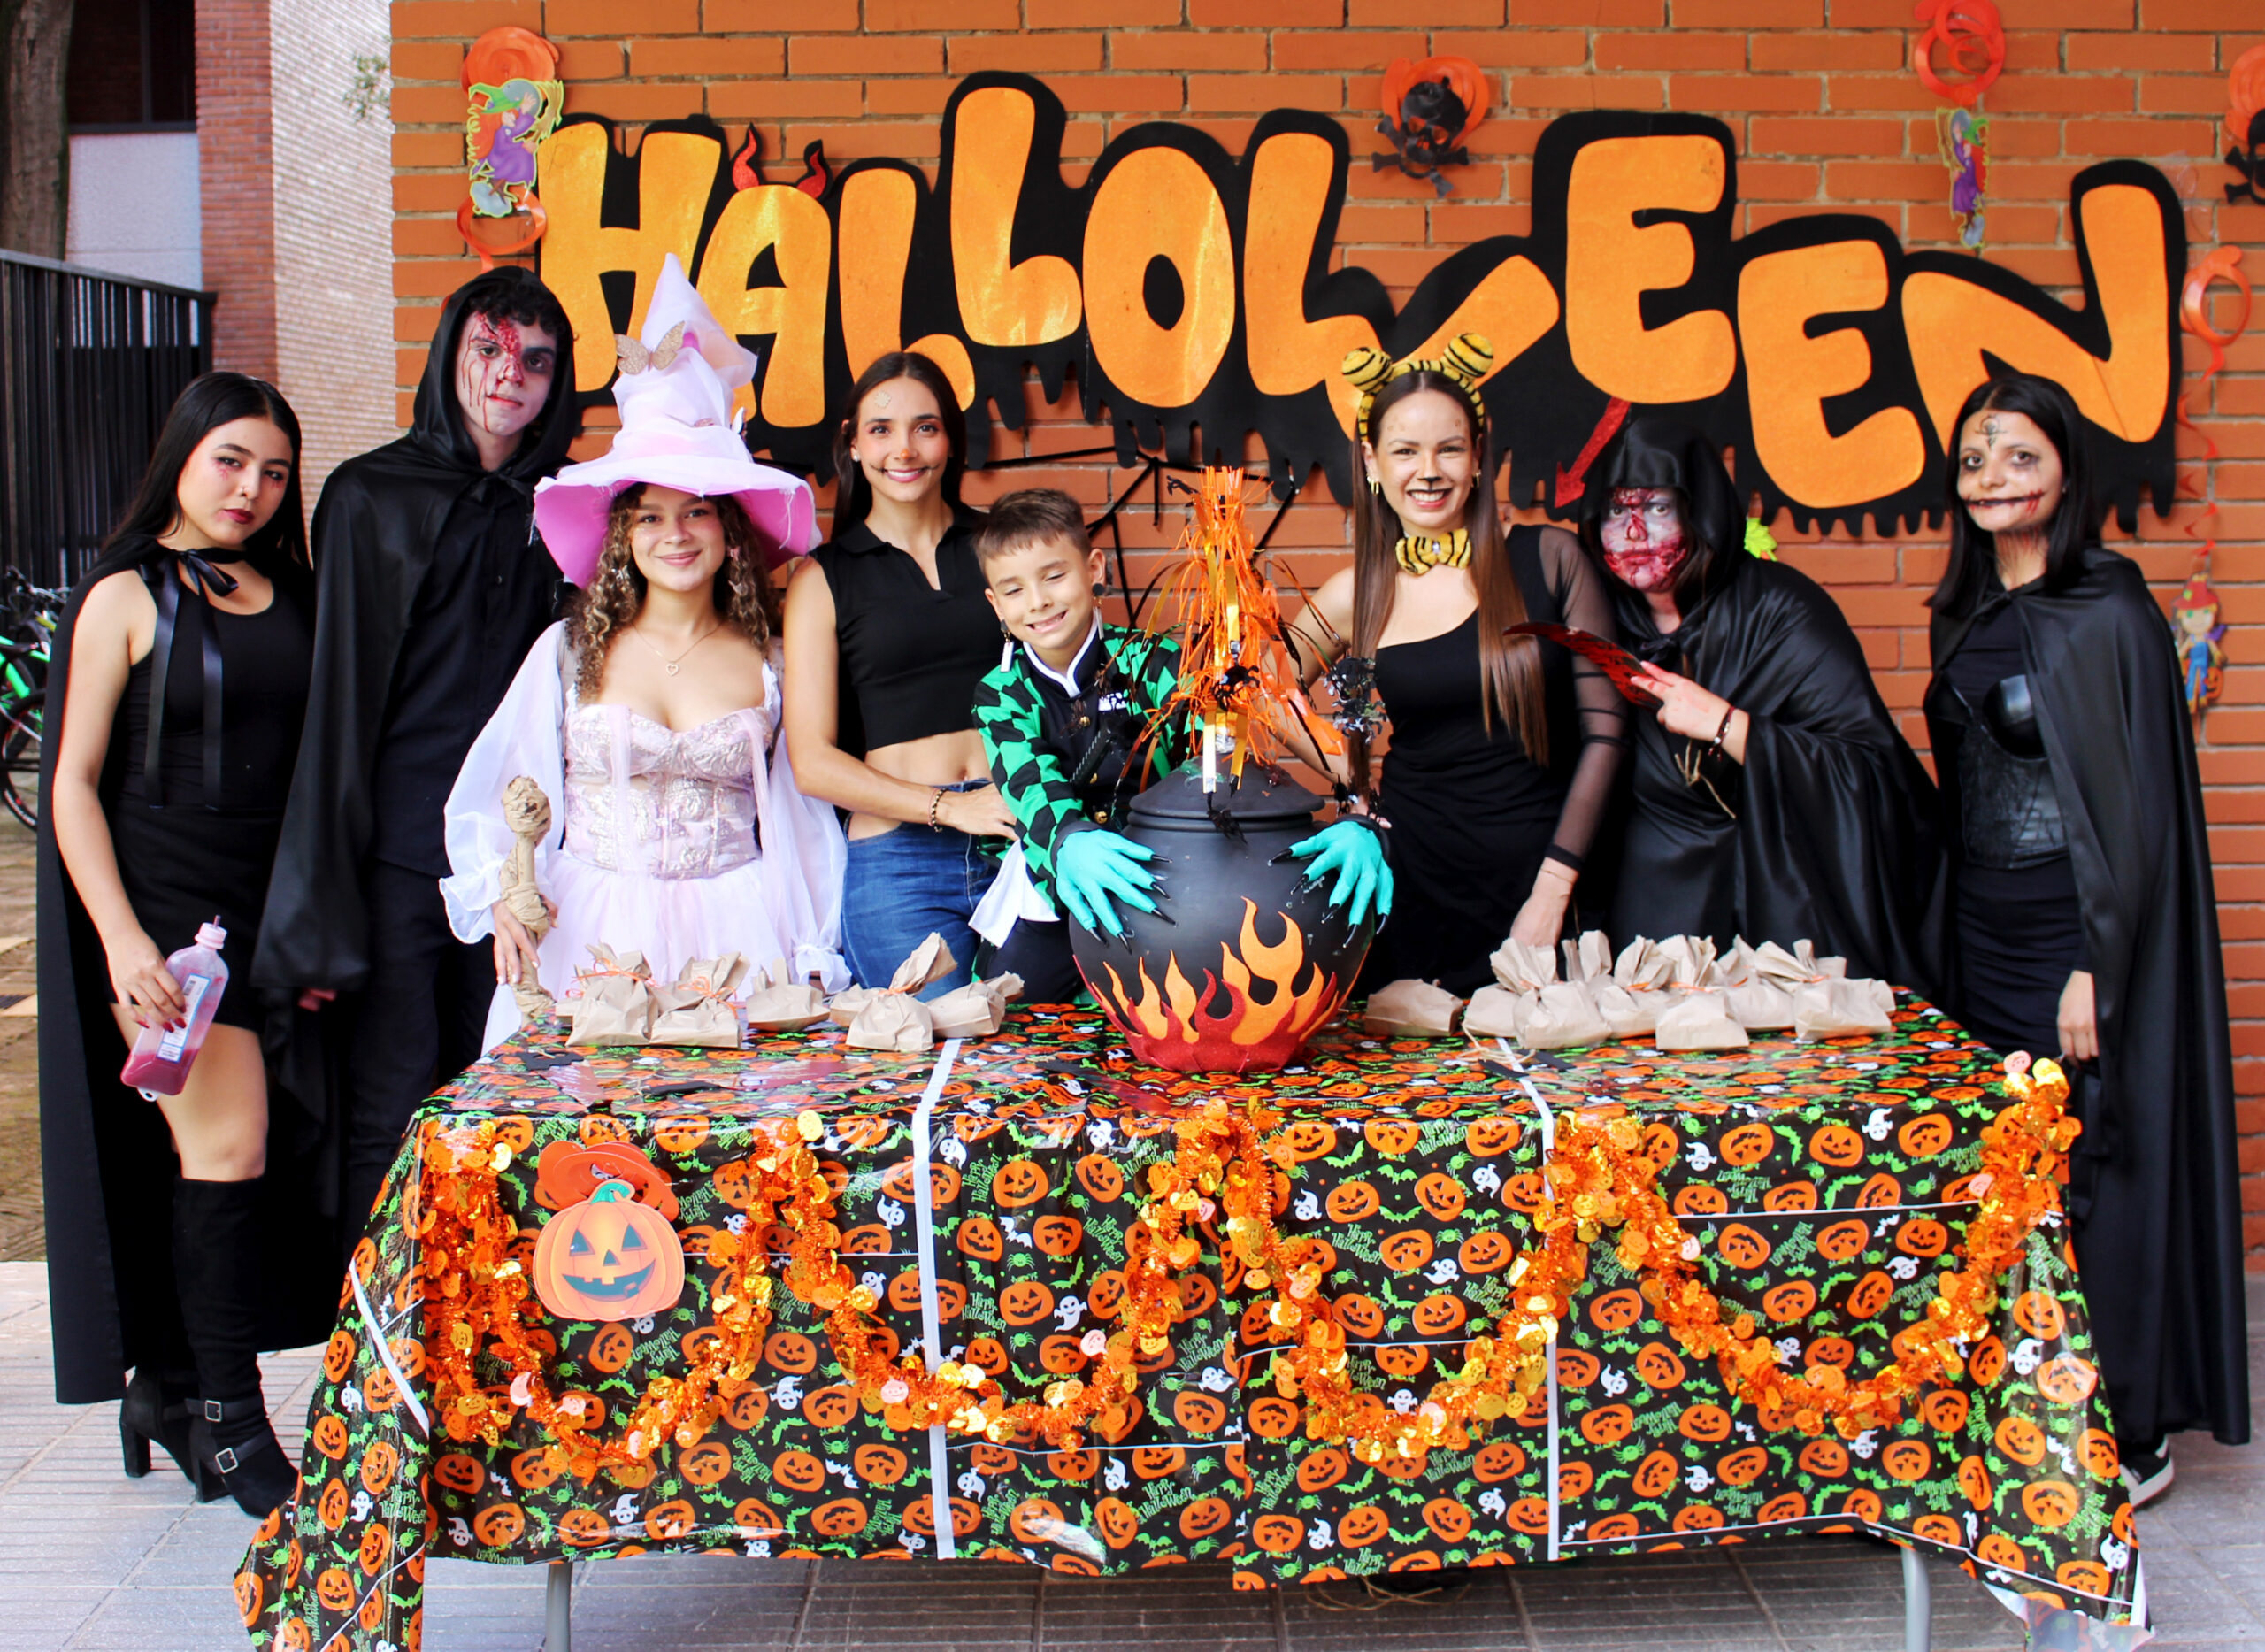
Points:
[(28, 616)]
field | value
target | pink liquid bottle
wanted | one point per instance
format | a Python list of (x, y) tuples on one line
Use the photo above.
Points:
[(163, 1055)]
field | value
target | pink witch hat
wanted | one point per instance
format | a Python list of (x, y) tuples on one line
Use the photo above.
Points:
[(674, 390)]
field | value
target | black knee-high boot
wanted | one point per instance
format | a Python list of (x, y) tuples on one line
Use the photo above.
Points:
[(216, 1263)]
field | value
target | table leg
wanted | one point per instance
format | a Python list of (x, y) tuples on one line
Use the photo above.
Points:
[(1918, 1603), (558, 1609)]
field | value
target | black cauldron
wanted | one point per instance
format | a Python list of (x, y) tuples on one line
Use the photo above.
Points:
[(1252, 962)]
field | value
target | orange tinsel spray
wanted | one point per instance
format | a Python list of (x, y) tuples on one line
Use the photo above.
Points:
[(1239, 681)]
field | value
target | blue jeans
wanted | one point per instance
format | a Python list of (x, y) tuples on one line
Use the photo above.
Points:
[(901, 886)]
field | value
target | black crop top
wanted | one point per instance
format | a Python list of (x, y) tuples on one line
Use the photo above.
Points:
[(911, 654)]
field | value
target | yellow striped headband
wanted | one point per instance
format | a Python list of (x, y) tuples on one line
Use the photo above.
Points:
[(1464, 362)]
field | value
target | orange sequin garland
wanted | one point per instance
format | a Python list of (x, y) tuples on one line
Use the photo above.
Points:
[(1222, 1165)]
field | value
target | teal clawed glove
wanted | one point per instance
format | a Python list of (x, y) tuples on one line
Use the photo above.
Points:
[(1355, 854), (1092, 868)]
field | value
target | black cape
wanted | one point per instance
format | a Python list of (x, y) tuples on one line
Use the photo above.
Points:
[(2155, 1180), (1826, 832), (106, 1160), (377, 532)]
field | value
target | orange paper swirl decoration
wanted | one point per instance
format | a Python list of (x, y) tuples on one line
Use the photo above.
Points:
[(2246, 124), (1964, 36), (513, 100)]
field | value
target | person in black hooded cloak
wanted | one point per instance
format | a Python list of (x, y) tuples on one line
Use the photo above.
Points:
[(2083, 916), (432, 587), (1771, 794), (179, 1228)]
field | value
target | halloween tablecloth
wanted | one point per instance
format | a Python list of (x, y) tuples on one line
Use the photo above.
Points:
[(1825, 1186)]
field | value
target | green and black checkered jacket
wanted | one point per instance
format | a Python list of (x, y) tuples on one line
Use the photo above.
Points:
[(1042, 734)]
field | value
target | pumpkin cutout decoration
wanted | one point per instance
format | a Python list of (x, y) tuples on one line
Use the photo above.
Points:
[(608, 1258), (1429, 109)]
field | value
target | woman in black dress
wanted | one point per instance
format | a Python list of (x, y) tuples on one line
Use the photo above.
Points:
[(2083, 916), (1770, 793), (1504, 749), (184, 658)]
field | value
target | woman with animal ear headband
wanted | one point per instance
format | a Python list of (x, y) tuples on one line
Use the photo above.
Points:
[(1504, 748)]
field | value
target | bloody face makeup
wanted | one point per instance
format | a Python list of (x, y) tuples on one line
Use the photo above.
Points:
[(1644, 541), (504, 374), (2009, 473)]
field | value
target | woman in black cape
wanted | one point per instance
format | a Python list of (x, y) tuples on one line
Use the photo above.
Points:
[(1770, 795), (2083, 914), (176, 692)]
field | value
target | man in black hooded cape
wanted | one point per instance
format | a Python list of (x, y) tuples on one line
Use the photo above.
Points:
[(1825, 833), (2154, 1179), (432, 587)]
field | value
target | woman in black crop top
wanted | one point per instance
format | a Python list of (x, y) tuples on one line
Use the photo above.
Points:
[(2084, 918), (185, 679), (886, 641)]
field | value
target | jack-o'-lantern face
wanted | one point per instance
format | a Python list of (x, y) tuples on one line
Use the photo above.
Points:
[(1655, 1475), (1838, 1146), (1406, 1251), (1701, 1198), (1746, 1144), (1402, 1360), (1205, 1517), (1789, 1302), (1787, 1506), (1696, 1517), (2039, 1313), (499, 1525), (1450, 1520), (798, 1471), (1987, 1361), (1359, 1315), (1574, 1480), (1351, 1202), (1155, 1462), (1499, 1460), (1706, 1423), (335, 1589), (610, 1348), (1870, 1293), (1827, 1459), (1741, 1247), (666, 1522), (1273, 1417), (1608, 1425), (376, 1546), (460, 1472), (2021, 1440), (1118, 1524), (1486, 1251), (1441, 1194), (1908, 1459), (979, 1236), (1924, 1136), (1102, 1180), (1743, 1466), (379, 1461), (1036, 1520), (1938, 1528), (608, 1258), (1106, 1295), (1306, 1139), (331, 1508), (869, 1240), (705, 1463), (1062, 1355), (1944, 1411), (1922, 1236), (295, 1636), (1974, 1481), (1615, 1528), (1577, 1367), (1436, 1315), (1198, 1413), (2049, 1503), (829, 1407), (1019, 1181), (1882, 1191), (1025, 1301), (1843, 1240), (1276, 1533), (1862, 1503), (1997, 1549), (1056, 1235), (2086, 1577), (1488, 1138), (1829, 1350), (330, 1436), (842, 1517), (2099, 1456), (249, 1591), (1660, 1366), (1392, 1136), (989, 1460), (1616, 1310), (1322, 1469), (1361, 1525)]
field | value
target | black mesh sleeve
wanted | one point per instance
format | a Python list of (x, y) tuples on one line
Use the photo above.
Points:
[(1587, 606)]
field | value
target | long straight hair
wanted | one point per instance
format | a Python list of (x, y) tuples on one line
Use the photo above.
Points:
[(855, 496), (211, 401), (1510, 683), (1973, 552)]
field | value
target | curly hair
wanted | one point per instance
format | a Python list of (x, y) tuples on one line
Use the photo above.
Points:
[(616, 592)]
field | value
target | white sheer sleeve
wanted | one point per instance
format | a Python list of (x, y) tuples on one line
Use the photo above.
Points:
[(805, 856), (525, 736)]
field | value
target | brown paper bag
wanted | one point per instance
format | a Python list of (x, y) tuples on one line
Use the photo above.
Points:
[(695, 1011), (844, 1006), (1690, 961), (1627, 1012), (1565, 1019), (1839, 1009), (1498, 1012), (895, 1021), (1589, 958), (1758, 1002), (929, 961), (788, 1008), (616, 1006), (1520, 968), (1408, 1008), (975, 1010), (1699, 1020)]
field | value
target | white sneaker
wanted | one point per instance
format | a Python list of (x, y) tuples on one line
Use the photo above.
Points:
[(2148, 1474)]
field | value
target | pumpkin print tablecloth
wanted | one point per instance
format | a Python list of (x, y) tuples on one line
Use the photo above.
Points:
[(1825, 1186)]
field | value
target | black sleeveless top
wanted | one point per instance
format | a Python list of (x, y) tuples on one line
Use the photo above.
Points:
[(911, 653), (264, 660)]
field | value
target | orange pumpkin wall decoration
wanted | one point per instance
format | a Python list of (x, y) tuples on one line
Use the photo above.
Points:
[(608, 1258)]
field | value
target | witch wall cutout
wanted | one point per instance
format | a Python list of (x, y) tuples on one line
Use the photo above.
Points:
[(1190, 292)]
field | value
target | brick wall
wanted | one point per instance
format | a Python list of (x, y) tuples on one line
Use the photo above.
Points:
[(295, 226), (1819, 93)]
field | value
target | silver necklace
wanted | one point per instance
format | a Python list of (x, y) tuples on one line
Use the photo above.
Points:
[(672, 667)]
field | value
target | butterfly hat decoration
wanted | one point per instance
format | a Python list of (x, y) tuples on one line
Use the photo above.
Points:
[(674, 390)]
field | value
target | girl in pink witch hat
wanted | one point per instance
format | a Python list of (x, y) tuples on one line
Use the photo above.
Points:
[(649, 717)]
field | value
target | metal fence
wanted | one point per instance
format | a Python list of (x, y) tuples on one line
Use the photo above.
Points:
[(92, 363)]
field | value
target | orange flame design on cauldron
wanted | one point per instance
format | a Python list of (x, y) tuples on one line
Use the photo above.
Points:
[(1174, 1027)]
